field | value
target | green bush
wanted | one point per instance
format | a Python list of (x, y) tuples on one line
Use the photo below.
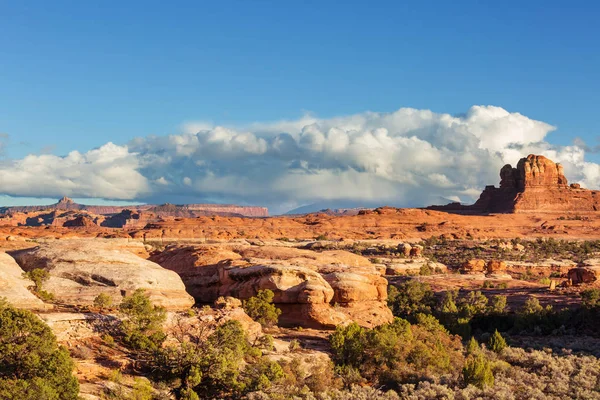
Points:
[(397, 353), (497, 304), (38, 276), (261, 308), (410, 298), (103, 301), (142, 322), (473, 347), (478, 372), (497, 342), (590, 298), (32, 365)]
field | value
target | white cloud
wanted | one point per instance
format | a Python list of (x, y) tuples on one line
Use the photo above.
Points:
[(407, 157), (110, 172)]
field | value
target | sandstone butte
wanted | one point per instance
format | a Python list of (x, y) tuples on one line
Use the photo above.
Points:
[(537, 184)]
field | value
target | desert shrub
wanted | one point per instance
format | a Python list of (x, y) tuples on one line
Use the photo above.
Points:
[(478, 372), (215, 364), (497, 342), (294, 346), (497, 304), (533, 317), (545, 281), (142, 390), (32, 365), (426, 270), (447, 304), (108, 339), (396, 353), (141, 326), (261, 308), (39, 276), (103, 301), (473, 346), (590, 298), (488, 285), (502, 285), (472, 304), (410, 298)]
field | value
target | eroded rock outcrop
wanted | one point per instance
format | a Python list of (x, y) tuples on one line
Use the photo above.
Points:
[(587, 273), (82, 269), (313, 289), (536, 184), (13, 286)]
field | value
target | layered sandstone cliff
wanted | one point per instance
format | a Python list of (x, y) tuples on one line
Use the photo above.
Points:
[(536, 184), (320, 290)]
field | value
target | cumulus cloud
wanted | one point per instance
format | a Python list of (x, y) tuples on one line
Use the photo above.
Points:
[(110, 171), (408, 157)]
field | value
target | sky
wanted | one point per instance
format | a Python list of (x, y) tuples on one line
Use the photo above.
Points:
[(286, 104)]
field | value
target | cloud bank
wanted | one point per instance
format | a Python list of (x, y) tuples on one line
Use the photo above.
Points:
[(408, 157)]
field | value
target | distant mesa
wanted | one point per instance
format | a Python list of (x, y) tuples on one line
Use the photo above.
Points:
[(67, 213), (536, 184)]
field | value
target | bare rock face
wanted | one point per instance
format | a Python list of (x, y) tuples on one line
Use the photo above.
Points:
[(474, 266), (588, 272), (536, 184), (82, 269), (13, 286), (319, 290), (495, 266)]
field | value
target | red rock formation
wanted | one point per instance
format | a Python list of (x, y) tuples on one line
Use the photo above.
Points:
[(536, 184)]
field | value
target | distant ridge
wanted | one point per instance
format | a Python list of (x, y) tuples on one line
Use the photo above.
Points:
[(183, 210)]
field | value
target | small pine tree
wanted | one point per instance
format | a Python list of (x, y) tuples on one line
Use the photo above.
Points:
[(478, 372), (497, 342), (261, 308), (473, 346), (38, 276), (142, 322), (103, 301), (497, 304)]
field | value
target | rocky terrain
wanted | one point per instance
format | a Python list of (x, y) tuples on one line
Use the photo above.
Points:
[(317, 290), (534, 276)]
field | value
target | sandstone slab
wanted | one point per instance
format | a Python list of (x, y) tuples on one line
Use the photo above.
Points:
[(13, 286), (82, 269)]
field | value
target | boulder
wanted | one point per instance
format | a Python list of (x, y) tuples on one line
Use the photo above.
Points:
[(416, 251), (475, 265), (588, 272), (581, 275), (495, 266), (13, 286), (405, 248), (82, 269)]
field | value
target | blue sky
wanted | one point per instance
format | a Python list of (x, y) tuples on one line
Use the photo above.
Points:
[(75, 75)]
